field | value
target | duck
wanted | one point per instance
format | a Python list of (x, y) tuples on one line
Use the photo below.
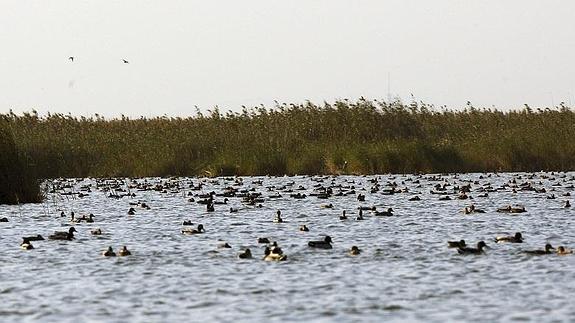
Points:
[(124, 252), (90, 218), (210, 207), (199, 230), (563, 251), (63, 235), (303, 228), (263, 240), (247, 254), (456, 244), (278, 218), (96, 231), (360, 216), (354, 251), (274, 254), (343, 216), (389, 212), (473, 251), (519, 209), (548, 248), (34, 238), (327, 206), (187, 222), (517, 238), (109, 253), (233, 210), (567, 204), (131, 211), (26, 245), (322, 244), (4, 219)]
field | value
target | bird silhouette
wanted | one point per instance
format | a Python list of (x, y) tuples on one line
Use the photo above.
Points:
[(125, 61), (71, 58)]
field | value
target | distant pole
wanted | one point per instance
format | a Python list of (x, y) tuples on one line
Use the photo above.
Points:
[(388, 87)]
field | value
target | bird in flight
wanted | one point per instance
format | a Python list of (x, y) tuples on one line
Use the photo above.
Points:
[(125, 61), (71, 58)]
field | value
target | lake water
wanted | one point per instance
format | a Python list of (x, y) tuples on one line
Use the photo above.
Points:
[(405, 272)]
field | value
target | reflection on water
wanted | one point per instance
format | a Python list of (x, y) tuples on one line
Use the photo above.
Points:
[(405, 270)]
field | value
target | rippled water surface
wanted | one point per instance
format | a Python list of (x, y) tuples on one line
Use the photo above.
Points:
[(404, 273)]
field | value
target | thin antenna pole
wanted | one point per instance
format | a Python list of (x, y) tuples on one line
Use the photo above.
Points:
[(388, 87)]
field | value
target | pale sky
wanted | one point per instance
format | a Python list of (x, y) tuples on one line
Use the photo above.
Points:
[(501, 53)]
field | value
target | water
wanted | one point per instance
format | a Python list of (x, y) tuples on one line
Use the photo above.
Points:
[(405, 272)]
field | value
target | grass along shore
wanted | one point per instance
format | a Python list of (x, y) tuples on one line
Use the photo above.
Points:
[(363, 137)]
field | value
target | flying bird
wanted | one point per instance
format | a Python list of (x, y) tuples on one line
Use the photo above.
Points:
[(71, 58), (125, 61)]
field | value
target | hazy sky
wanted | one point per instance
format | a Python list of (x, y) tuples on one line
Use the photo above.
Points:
[(233, 53)]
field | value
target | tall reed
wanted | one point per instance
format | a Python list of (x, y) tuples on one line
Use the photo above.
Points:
[(362, 137)]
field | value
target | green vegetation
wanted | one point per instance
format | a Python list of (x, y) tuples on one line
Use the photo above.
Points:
[(17, 184), (362, 137)]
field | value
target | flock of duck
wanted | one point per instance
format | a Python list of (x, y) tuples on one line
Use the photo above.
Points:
[(204, 191)]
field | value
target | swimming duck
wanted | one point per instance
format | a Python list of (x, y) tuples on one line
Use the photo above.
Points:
[(124, 252), (247, 254), (473, 251), (210, 207), (389, 212), (354, 251), (548, 248), (415, 198), (456, 244), (187, 222), (62, 235), (327, 206), (26, 245), (360, 216), (322, 244), (109, 253), (567, 204), (199, 230), (34, 238), (96, 232), (517, 238), (278, 218), (303, 228), (4, 219), (263, 240), (131, 211), (343, 216), (274, 254), (563, 251), (233, 210), (90, 218)]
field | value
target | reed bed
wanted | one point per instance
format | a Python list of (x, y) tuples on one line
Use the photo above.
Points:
[(18, 184), (362, 137)]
